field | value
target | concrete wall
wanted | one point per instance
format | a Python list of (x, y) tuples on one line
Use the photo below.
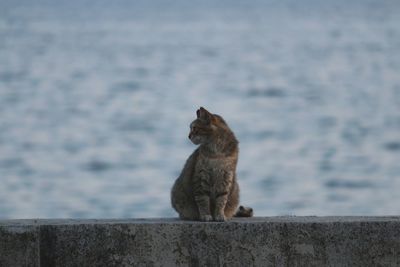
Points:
[(272, 241)]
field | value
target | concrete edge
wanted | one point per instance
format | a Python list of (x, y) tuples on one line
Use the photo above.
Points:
[(258, 241), (273, 219)]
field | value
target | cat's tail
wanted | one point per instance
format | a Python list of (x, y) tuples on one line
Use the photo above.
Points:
[(244, 212)]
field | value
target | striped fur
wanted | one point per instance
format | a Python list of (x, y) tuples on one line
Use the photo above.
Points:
[(207, 189)]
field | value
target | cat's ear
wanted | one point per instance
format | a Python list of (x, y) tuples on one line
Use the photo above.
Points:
[(204, 115), (198, 113)]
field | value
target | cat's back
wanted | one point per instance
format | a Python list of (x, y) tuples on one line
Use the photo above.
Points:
[(190, 166)]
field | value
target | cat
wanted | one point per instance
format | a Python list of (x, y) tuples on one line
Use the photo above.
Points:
[(207, 189)]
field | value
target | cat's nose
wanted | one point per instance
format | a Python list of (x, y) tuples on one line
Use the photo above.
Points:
[(190, 136)]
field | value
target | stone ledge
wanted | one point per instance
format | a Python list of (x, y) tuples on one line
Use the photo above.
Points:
[(269, 241)]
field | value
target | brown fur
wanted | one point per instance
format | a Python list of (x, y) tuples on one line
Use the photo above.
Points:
[(207, 188), (244, 212)]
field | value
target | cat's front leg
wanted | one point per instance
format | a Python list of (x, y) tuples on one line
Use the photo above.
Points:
[(220, 203), (203, 203), (202, 196), (223, 188)]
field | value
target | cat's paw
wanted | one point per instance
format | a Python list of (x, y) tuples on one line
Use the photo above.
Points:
[(206, 218), (220, 218)]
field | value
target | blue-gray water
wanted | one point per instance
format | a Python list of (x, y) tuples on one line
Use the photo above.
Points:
[(96, 101)]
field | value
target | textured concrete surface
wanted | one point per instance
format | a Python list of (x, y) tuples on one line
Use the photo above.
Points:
[(19, 245), (272, 241)]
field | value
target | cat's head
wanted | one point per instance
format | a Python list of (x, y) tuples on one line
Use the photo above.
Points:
[(203, 129)]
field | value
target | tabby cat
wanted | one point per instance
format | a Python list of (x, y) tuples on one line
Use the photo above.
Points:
[(207, 189)]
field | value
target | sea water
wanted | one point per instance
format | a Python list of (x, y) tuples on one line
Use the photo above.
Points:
[(96, 98)]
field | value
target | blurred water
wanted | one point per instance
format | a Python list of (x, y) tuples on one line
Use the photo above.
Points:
[(96, 101)]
